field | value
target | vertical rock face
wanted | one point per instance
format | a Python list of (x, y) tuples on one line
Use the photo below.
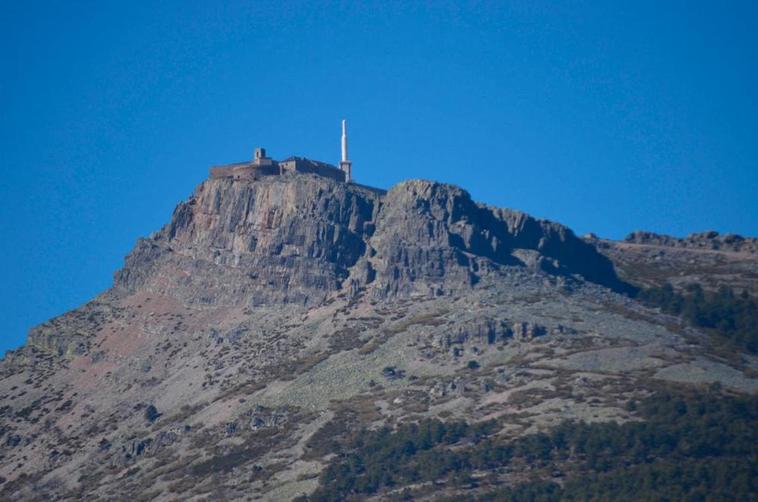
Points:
[(435, 234), (300, 238), (566, 252), (430, 235), (279, 239)]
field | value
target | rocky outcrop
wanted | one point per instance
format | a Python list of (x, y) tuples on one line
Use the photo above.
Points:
[(278, 239), (300, 238), (702, 240), (69, 334), (565, 253), (432, 237)]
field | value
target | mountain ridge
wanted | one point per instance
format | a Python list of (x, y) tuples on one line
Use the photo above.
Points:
[(351, 226), (268, 310)]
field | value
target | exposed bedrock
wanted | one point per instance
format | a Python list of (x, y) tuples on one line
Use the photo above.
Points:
[(301, 238)]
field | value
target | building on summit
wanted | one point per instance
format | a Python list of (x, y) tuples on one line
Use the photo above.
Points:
[(261, 165), (260, 158)]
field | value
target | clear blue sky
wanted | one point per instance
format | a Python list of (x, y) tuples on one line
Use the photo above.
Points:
[(606, 117)]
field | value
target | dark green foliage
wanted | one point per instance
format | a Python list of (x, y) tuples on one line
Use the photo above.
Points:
[(692, 480), (473, 365), (384, 458), (729, 315), (151, 413), (690, 447)]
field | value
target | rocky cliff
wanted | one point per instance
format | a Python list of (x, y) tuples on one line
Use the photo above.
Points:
[(290, 239), (271, 319), (298, 239)]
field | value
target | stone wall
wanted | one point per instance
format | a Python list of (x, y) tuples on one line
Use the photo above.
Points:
[(244, 170), (253, 171), (302, 165)]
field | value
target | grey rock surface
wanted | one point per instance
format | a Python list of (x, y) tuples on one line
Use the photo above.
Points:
[(296, 239)]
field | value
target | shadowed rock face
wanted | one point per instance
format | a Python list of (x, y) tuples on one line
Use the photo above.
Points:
[(298, 239), (571, 254)]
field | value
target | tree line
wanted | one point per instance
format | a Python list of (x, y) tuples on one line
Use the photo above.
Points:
[(732, 317), (689, 447)]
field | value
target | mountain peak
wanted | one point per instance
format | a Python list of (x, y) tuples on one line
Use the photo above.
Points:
[(299, 236), (276, 310)]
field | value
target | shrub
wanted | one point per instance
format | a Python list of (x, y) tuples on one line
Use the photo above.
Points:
[(151, 413)]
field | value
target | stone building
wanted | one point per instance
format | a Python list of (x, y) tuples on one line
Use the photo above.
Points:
[(261, 165), (265, 166)]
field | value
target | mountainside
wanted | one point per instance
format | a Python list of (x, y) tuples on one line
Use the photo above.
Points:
[(708, 258), (243, 344)]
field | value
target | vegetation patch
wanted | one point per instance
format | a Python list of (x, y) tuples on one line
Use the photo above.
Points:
[(730, 316), (690, 446), (346, 339)]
